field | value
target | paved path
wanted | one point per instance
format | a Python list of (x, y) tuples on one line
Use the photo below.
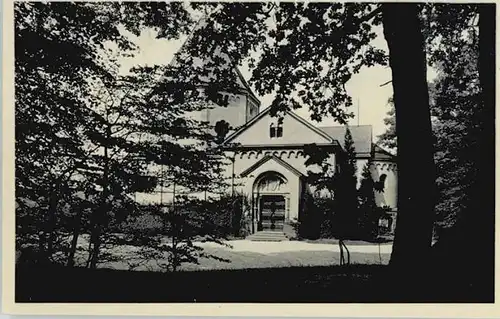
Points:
[(263, 247), (245, 254)]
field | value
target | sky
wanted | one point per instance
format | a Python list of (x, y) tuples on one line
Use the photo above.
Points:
[(369, 97)]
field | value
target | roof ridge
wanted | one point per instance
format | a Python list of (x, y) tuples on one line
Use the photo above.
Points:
[(314, 128)]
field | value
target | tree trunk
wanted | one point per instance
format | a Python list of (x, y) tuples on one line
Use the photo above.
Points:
[(51, 223), (474, 233), (99, 221), (486, 180), (74, 240), (96, 245), (478, 228), (103, 207), (416, 170)]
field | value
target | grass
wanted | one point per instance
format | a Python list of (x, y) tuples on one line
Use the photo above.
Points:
[(251, 259), (244, 255)]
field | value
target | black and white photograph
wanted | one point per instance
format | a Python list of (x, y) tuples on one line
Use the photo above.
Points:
[(252, 152)]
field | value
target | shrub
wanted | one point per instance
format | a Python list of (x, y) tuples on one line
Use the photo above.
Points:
[(227, 215), (315, 218)]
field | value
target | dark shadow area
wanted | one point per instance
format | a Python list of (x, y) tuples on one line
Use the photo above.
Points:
[(347, 284), (353, 242)]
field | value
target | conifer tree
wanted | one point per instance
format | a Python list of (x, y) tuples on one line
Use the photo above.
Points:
[(346, 201), (344, 224), (88, 138), (346, 186), (56, 51), (317, 217), (368, 214)]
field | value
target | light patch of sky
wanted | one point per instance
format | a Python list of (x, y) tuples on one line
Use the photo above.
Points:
[(369, 97)]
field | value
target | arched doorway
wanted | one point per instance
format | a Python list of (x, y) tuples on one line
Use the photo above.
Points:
[(271, 195)]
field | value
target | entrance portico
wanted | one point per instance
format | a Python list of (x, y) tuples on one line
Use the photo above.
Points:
[(271, 196), (274, 188)]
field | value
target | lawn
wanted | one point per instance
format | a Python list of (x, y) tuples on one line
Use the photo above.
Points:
[(258, 272), (244, 254), (248, 260)]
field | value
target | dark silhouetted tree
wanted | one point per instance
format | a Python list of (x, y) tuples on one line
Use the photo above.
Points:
[(416, 188), (368, 212)]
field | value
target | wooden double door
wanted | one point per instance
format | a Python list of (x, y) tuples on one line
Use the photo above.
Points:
[(272, 212)]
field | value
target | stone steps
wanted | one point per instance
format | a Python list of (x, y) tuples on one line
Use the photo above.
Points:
[(268, 236)]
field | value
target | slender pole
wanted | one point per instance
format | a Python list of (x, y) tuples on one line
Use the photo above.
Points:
[(253, 213), (358, 112), (161, 185), (173, 199), (232, 179)]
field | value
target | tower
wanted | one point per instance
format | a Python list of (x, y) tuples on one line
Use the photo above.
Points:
[(234, 108)]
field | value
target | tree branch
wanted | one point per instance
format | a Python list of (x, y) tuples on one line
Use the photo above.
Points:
[(384, 84)]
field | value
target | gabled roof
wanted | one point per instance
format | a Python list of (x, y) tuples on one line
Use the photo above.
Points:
[(361, 135), (264, 113), (268, 158)]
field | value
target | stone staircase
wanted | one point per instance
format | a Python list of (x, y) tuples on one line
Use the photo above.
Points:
[(268, 235)]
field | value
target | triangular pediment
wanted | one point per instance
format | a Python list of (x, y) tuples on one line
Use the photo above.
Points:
[(266, 159), (296, 130)]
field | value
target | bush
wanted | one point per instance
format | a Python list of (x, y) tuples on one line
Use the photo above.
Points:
[(318, 220), (227, 215), (315, 218)]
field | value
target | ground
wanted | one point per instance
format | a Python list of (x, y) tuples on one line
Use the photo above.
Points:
[(245, 254), (259, 272)]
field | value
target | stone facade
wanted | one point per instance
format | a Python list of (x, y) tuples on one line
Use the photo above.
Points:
[(270, 168), (260, 158)]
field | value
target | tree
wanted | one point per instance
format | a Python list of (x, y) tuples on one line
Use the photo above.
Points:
[(173, 242), (221, 129), (313, 49), (452, 127), (116, 132), (485, 200), (317, 217), (388, 138), (416, 190), (341, 215), (316, 47), (369, 213), (321, 168), (477, 219), (453, 101), (89, 140), (456, 108), (55, 53), (346, 201)]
